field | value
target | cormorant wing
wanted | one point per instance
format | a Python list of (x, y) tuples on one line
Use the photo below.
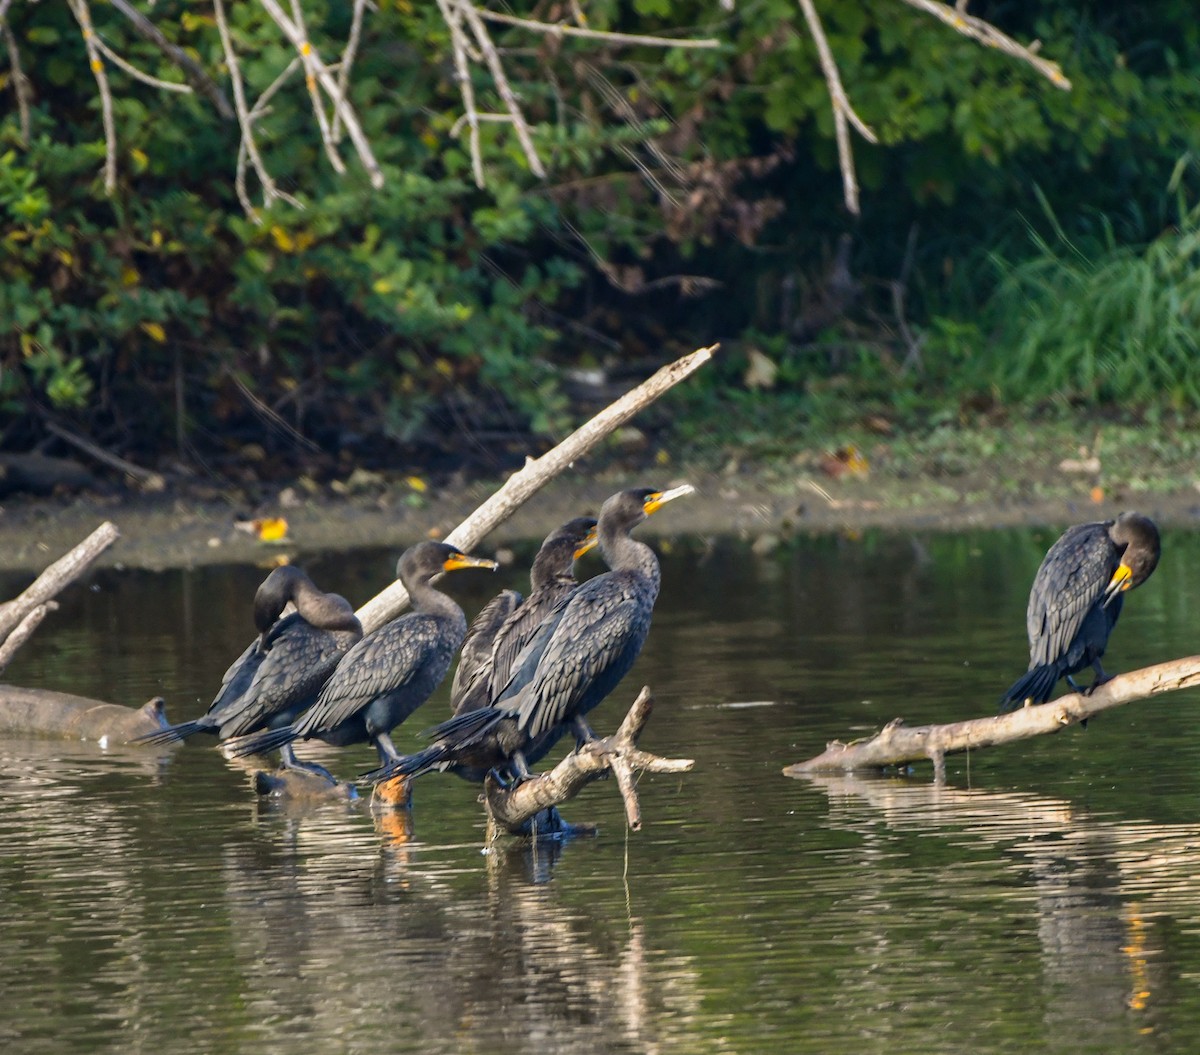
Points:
[(298, 664), (1071, 579), (592, 632), (380, 663), (475, 660), (517, 633)]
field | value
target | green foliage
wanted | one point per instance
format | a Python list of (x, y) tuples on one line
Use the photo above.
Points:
[(406, 315)]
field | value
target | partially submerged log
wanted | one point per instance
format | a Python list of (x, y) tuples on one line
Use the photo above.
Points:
[(46, 713), (519, 809), (897, 743)]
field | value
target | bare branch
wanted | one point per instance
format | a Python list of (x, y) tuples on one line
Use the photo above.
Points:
[(190, 68), (248, 146), (462, 71), (538, 472), (989, 35), (56, 577), (23, 631), (314, 65), (83, 16), (4, 6), (561, 29), (134, 72), (514, 807), (898, 743), (149, 479), (310, 82), (347, 63), (492, 57), (20, 81), (842, 110)]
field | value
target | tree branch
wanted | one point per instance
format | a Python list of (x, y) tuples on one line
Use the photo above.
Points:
[(310, 82), (191, 69), (843, 112), (136, 74), (24, 631), (20, 82), (987, 34), (462, 72), (349, 53), (538, 472), (897, 743), (83, 16), (513, 808), (56, 577), (561, 29), (314, 66)]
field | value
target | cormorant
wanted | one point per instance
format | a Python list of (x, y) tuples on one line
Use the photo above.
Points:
[(507, 624), (576, 658), (1076, 599), (389, 673), (281, 671)]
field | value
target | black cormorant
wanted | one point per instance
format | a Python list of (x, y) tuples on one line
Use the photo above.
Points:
[(506, 624), (1076, 599), (282, 670), (390, 672), (575, 659)]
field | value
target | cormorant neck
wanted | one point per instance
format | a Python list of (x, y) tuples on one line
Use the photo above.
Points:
[(622, 552), (325, 611), (546, 574), (428, 600)]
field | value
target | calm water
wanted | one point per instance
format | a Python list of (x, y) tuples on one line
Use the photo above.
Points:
[(1046, 900)]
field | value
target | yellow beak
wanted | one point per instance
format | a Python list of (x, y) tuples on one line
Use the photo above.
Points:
[(656, 501), (587, 544), (461, 560)]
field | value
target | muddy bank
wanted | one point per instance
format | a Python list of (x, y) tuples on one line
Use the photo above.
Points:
[(178, 530)]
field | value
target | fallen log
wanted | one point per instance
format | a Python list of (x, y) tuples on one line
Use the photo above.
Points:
[(897, 743), (528, 808), (47, 713)]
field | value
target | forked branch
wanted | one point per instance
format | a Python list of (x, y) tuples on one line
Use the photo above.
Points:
[(513, 808)]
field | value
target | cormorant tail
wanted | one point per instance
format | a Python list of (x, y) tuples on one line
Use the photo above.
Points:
[(259, 743), (412, 765), (465, 729), (173, 734), (1036, 686)]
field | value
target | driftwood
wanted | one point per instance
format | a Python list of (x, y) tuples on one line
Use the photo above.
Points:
[(519, 809), (47, 713), (897, 743), (538, 472), (20, 616)]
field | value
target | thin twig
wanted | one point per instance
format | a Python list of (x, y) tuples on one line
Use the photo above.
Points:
[(843, 112), (462, 71), (560, 29), (310, 82), (313, 62), (248, 146), (492, 57), (272, 416), (347, 63), (83, 16), (20, 81), (987, 34), (136, 74), (191, 69)]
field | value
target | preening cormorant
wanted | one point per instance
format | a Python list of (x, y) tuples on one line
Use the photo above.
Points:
[(575, 659), (1076, 599), (390, 672), (507, 624), (281, 671)]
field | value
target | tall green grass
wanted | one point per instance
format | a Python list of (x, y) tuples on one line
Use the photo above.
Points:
[(1102, 324)]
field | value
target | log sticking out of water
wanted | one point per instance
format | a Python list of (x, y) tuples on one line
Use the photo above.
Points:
[(47, 713), (517, 809), (897, 743), (20, 616)]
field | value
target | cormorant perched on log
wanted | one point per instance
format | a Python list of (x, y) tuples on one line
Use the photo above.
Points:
[(282, 670), (1076, 600), (575, 659), (507, 624), (389, 673)]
